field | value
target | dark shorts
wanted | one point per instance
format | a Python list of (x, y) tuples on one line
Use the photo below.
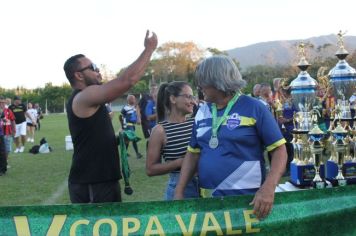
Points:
[(95, 193), (30, 124)]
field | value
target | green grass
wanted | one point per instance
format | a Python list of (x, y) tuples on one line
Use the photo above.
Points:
[(41, 179)]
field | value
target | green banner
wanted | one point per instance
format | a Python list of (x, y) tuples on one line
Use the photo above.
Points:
[(310, 212)]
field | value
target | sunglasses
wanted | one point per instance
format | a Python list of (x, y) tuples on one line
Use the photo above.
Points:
[(92, 67)]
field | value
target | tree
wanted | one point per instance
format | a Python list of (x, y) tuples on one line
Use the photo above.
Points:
[(177, 61), (55, 96)]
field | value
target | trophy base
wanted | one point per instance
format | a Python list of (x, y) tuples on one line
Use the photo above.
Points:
[(348, 171), (319, 184), (303, 175), (342, 182)]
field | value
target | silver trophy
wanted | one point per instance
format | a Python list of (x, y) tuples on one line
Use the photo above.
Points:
[(342, 81), (303, 96)]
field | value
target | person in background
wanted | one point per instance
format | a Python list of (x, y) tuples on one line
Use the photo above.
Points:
[(328, 104), (277, 92), (266, 96), (3, 159), (170, 137), (39, 116), (147, 106), (285, 121), (95, 169), (199, 102), (31, 123), (129, 117), (230, 133), (8, 126), (20, 111), (110, 111), (256, 91)]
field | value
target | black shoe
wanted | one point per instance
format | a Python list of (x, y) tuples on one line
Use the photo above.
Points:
[(139, 155)]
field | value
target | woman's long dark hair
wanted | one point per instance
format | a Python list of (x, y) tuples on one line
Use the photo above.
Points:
[(165, 91)]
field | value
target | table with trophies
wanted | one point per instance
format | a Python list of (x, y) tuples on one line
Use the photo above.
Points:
[(323, 159)]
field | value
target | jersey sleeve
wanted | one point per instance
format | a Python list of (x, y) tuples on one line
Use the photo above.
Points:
[(268, 129), (193, 146)]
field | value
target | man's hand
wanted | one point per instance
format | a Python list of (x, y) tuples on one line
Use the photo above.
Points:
[(151, 42), (263, 201)]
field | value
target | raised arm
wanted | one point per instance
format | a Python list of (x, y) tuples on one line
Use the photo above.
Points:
[(99, 94)]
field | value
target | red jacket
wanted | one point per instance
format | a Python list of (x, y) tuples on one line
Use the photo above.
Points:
[(7, 117)]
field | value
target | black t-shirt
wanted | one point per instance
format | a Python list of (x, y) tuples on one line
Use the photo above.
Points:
[(19, 112), (95, 157)]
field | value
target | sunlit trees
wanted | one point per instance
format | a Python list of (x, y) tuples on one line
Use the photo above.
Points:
[(177, 61)]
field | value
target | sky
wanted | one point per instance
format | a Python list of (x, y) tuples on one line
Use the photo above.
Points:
[(37, 36)]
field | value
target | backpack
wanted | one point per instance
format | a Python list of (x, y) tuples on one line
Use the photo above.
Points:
[(35, 149)]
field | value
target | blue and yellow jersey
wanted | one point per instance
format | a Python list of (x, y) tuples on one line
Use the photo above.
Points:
[(236, 166)]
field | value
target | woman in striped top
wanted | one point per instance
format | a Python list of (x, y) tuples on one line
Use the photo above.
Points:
[(170, 137)]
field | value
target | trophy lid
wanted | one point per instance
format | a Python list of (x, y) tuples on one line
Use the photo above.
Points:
[(316, 130), (339, 130), (303, 63), (341, 53)]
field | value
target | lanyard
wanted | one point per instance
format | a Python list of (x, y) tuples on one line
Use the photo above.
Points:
[(217, 121)]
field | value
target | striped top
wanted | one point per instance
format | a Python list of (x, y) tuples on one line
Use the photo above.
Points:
[(177, 136)]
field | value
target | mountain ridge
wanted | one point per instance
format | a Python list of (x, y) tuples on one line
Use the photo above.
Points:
[(284, 52)]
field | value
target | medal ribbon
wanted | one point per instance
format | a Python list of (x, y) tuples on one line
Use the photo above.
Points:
[(217, 121)]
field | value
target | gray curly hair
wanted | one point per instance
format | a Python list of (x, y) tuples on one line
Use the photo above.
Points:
[(221, 73)]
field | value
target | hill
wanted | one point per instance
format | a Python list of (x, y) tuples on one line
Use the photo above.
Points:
[(285, 51)]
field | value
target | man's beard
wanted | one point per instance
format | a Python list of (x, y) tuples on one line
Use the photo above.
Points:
[(89, 82)]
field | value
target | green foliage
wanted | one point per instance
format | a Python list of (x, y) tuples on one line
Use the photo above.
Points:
[(140, 87), (54, 96)]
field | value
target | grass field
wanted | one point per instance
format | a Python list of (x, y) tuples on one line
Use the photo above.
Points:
[(41, 179)]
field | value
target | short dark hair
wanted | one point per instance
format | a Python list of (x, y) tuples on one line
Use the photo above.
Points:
[(71, 66)]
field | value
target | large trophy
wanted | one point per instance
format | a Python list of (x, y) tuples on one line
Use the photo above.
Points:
[(341, 167), (303, 95)]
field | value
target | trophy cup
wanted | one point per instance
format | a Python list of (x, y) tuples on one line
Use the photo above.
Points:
[(316, 148), (303, 96), (340, 146), (342, 81)]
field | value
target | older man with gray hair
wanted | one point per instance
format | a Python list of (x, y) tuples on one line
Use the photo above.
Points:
[(230, 133)]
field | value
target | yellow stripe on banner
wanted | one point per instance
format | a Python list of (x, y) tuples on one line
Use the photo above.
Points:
[(22, 226), (193, 150), (57, 225), (276, 144)]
